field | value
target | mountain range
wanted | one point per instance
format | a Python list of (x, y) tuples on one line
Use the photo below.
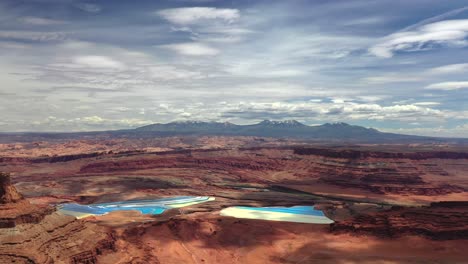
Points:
[(268, 128), (281, 129)]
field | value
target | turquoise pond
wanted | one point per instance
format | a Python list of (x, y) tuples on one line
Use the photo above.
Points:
[(154, 207), (298, 214), (302, 210), (301, 214)]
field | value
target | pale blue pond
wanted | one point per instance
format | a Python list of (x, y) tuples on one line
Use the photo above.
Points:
[(302, 210), (299, 214), (154, 207)]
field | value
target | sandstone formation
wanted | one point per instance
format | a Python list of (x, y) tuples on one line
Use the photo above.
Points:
[(381, 192), (8, 193), (356, 154), (32, 234), (439, 221)]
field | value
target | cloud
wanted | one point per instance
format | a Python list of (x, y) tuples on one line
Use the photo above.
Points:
[(72, 71), (169, 72), (457, 131), (91, 91), (427, 103), (39, 21), (391, 78), (92, 119), (90, 8), (86, 123), (448, 86), (98, 62), (191, 15), (33, 36), (429, 36), (436, 18), (337, 110), (372, 20), (274, 59), (193, 49), (450, 69)]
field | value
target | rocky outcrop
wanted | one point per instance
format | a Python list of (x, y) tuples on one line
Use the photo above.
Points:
[(65, 158), (33, 234), (14, 209), (8, 193), (439, 221), (179, 162), (21, 212), (357, 154)]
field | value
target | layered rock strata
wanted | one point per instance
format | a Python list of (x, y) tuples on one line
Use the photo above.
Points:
[(33, 234), (439, 221)]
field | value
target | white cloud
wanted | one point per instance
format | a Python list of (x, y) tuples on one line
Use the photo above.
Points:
[(87, 69), (92, 119), (168, 72), (437, 18), (447, 86), (370, 98), (338, 110), (190, 15), (98, 62), (449, 69), (448, 32), (391, 78), (275, 71), (86, 123), (39, 21), (33, 35), (193, 49), (366, 21), (458, 131), (90, 8), (426, 103)]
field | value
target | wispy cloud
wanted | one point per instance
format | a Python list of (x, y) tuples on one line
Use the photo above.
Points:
[(190, 15), (97, 62), (426, 37), (392, 78), (193, 49), (40, 21), (457, 131), (91, 63), (33, 36), (450, 69), (427, 103), (448, 86), (440, 17), (87, 7)]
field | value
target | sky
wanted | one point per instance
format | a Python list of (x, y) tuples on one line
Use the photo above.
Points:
[(79, 65)]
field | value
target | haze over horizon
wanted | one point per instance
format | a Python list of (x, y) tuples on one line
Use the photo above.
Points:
[(74, 65)]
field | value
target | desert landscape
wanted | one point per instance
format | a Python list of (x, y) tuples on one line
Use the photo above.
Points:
[(233, 132), (382, 199)]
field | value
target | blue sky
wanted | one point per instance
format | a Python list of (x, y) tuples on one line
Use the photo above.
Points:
[(72, 65)]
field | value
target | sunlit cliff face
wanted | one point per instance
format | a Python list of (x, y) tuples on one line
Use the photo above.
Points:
[(97, 65)]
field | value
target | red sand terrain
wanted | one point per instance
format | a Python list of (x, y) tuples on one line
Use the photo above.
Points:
[(208, 238), (386, 200)]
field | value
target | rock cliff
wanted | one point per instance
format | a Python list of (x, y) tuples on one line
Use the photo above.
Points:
[(439, 221), (34, 234)]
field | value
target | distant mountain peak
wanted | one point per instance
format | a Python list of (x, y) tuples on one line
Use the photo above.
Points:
[(196, 122), (337, 124), (268, 128), (285, 123), (187, 122)]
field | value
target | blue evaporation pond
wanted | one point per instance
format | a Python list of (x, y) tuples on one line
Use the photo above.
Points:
[(303, 210), (149, 202), (99, 210), (154, 207)]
